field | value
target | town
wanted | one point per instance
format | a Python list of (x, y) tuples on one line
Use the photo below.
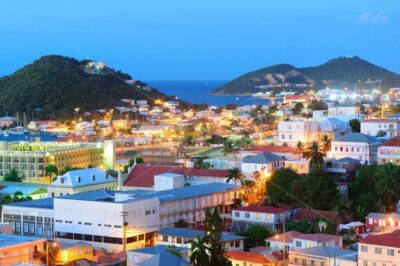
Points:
[(310, 177)]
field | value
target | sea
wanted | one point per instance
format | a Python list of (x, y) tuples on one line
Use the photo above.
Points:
[(198, 92)]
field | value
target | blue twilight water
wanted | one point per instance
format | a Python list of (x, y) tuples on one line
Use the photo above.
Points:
[(198, 92)]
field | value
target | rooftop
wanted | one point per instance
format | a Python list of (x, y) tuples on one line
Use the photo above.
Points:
[(273, 148), (303, 214), (380, 121), (83, 177), (262, 157), (262, 209), (45, 203), (356, 137), (320, 237), (190, 233), (288, 236), (11, 240), (394, 142), (388, 240), (247, 256), (329, 252), (161, 256)]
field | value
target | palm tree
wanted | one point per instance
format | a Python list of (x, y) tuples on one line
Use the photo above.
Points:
[(300, 146), (50, 171), (388, 184), (326, 143), (316, 157), (199, 251), (234, 174)]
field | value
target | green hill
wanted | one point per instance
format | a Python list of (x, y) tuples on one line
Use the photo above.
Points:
[(58, 84), (342, 71)]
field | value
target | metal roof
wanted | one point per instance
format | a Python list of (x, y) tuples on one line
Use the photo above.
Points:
[(190, 233)]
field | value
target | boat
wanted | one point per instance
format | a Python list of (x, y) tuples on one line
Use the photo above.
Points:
[(260, 94)]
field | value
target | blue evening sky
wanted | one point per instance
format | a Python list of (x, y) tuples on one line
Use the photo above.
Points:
[(199, 39)]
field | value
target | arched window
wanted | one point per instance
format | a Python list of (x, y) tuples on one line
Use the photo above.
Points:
[(62, 180), (79, 179)]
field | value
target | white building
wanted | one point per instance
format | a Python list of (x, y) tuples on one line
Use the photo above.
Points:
[(357, 146), (343, 110), (167, 181), (81, 180), (291, 132), (323, 256), (264, 163), (371, 127), (267, 216)]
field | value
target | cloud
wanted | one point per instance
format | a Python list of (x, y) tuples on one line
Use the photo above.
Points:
[(377, 19)]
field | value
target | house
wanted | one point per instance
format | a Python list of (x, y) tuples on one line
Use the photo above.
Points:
[(345, 167), (244, 258), (156, 256), (21, 249), (343, 110), (373, 127), (82, 180), (333, 127), (389, 152), (296, 240), (382, 221), (381, 249), (323, 256), (291, 132), (285, 152), (293, 99), (7, 121), (268, 216), (358, 146), (300, 166), (264, 163), (180, 236)]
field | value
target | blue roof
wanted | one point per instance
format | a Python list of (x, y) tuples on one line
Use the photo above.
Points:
[(190, 233), (262, 157), (356, 137), (23, 189), (45, 203), (165, 258), (10, 240)]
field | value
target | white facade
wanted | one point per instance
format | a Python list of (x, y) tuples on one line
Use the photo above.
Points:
[(373, 126), (167, 181), (101, 222), (343, 110), (265, 169), (243, 218), (291, 132)]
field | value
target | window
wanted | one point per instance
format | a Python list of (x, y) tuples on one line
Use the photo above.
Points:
[(364, 249), (237, 214), (165, 238), (258, 216), (268, 216), (298, 243), (378, 250), (148, 212), (365, 263), (390, 252), (179, 240), (247, 215), (62, 180)]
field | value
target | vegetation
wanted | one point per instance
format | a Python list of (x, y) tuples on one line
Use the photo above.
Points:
[(51, 171), (343, 70), (174, 251), (13, 176), (255, 235), (181, 223), (355, 125), (316, 157), (325, 143), (16, 197), (44, 83)]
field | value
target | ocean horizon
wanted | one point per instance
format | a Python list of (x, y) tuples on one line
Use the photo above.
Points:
[(198, 92)]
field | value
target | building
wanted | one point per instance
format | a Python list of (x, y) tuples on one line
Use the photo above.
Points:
[(244, 258), (303, 214), (333, 127), (291, 132), (285, 152), (72, 251), (156, 256), (20, 249), (7, 121), (387, 127), (35, 191), (267, 216), (382, 221), (358, 146), (389, 152), (344, 167), (264, 163), (380, 250), (300, 166), (323, 256), (82, 180), (30, 218), (296, 240), (343, 110), (98, 216), (31, 158), (180, 236)]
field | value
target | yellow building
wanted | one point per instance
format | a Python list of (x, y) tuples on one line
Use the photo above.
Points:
[(30, 159), (69, 252)]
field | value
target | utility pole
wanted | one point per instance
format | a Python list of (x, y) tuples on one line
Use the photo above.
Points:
[(284, 241), (124, 214)]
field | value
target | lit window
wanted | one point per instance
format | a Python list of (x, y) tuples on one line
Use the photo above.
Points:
[(258, 216)]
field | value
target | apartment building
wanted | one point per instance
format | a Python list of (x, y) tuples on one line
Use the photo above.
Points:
[(372, 127), (30, 159), (323, 256), (264, 163), (389, 152), (291, 132)]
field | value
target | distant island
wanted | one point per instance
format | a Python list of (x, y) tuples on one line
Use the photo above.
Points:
[(56, 85), (342, 71)]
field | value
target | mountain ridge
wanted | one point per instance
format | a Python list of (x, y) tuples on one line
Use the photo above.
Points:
[(341, 71)]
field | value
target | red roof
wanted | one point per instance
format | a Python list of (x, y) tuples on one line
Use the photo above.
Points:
[(395, 141), (288, 237), (142, 175), (387, 240), (263, 209), (273, 148), (247, 256), (295, 97), (309, 214), (318, 237)]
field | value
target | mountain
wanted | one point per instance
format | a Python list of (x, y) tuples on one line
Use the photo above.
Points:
[(56, 85), (342, 72)]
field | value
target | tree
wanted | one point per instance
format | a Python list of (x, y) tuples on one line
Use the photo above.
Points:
[(317, 190), (51, 171), (236, 175), (280, 184), (325, 143), (318, 105), (12, 176), (174, 251), (135, 160), (215, 139), (355, 125), (199, 252), (315, 156), (381, 133), (229, 147), (298, 108), (300, 146), (256, 235), (181, 223), (387, 185)]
